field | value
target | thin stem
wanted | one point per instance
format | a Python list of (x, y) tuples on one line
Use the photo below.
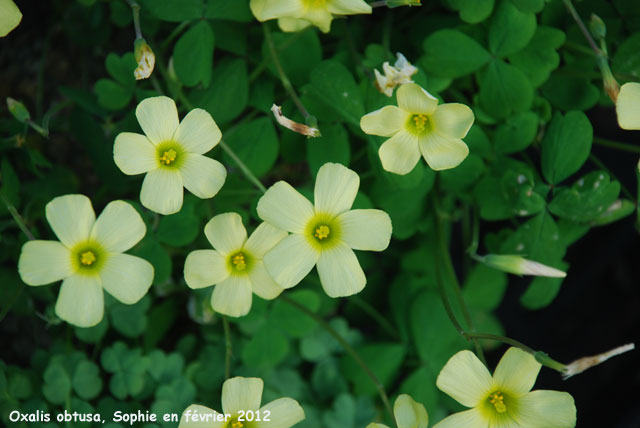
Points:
[(373, 313), (616, 145), (245, 170), (135, 9), (229, 349), (574, 13), (378, 4), (283, 77), (324, 324), (17, 218), (502, 339)]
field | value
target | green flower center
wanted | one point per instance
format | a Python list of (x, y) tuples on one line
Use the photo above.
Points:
[(497, 399), (168, 157), (88, 257), (323, 231), (170, 154), (419, 124), (240, 262)]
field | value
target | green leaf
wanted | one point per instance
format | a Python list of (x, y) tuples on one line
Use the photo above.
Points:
[(290, 319), (236, 10), (539, 58), (174, 10), (421, 386), (566, 145), (516, 133), (121, 68), (93, 334), (484, 287), (299, 54), (256, 144), (327, 380), (570, 92), (464, 175), (86, 380), (130, 320), (541, 292), (193, 55), (181, 228), (333, 83), (227, 95), (128, 368), (473, 11), (111, 94), (266, 348), (384, 360), (616, 211), (538, 239), (510, 29), (505, 89), (332, 146), (627, 57), (529, 6), (150, 250), (588, 199), (57, 384), (450, 53)]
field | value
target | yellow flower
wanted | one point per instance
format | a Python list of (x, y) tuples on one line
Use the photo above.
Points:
[(398, 74), (241, 399), (407, 413), (324, 233), (294, 15), (10, 16), (235, 264), (419, 125), (171, 153), (628, 106), (89, 257), (504, 400)]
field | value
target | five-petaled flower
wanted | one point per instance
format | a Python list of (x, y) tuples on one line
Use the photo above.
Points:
[(505, 399), (407, 413), (235, 265), (241, 399), (295, 15), (628, 106), (171, 153), (419, 125), (89, 257), (324, 233)]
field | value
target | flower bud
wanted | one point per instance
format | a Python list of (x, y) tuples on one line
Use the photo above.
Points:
[(18, 110), (598, 27), (145, 58), (520, 266)]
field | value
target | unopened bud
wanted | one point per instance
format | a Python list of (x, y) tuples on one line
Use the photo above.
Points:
[(598, 27), (582, 364), (398, 3), (519, 265), (18, 110), (145, 58), (294, 126)]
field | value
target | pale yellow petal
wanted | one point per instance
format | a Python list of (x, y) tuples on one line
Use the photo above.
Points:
[(443, 152), (452, 120), (348, 7), (126, 277), (415, 100), (197, 416), (264, 10), (628, 106), (400, 153), (204, 268), (368, 230), (548, 409), (202, 176), (375, 425), (118, 227), (44, 262), (241, 393), (283, 413), (340, 272), (291, 260), (384, 122), (516, 372), (336, 188), (162, 191), (285, 208), (198, 132), (410, 414), (292, 25), (467, 419), (264, 238), (320, 17), (465, 379), (232, 296), (10, 16), (81, 300), (226, 233), (262, 283), (158, 118), (71, 217), (134, 153)]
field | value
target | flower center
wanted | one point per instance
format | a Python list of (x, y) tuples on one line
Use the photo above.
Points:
[(315, 3), (419, 120), (419, 124), (87, 258), (168, 157), (237, 424), (497, 399), (322, 232), (239, 263)]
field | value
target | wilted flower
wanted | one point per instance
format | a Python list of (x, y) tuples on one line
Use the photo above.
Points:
[(582, 364), (628, 106), (294, 126), (407, 413), (396, 75), (145, 58)]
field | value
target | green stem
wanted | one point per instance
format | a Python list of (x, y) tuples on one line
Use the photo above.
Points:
[(229, 349), (502, 339), (373, 313), (616, 145), (135, 9), (245, 170), (574, 13), (324, 324), (283, 77), (17, 218)]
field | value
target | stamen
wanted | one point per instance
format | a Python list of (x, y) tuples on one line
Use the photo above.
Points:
[(239, 263), (168, 157), (237, 424), (87, 258), (322, 232), (497, 399), (420, 121)]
